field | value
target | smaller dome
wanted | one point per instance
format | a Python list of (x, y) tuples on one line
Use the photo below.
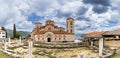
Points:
[(49, 22), (38, 23), (70, 19)]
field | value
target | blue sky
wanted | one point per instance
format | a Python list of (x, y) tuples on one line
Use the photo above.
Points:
[(89, 15)]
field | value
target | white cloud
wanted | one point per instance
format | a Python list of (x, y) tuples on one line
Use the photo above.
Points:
[(10, 13), (17, 11)]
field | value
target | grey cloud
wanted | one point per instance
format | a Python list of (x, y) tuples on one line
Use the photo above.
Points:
[(115, 5), (60, 14), (100, 9), (62, 2), (83, 18), (39, 5), (84, 28), (96, 2), (114, 19), (82, 10)]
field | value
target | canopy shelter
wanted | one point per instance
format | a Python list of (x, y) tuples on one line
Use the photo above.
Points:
[(93, 36), (112, 35)]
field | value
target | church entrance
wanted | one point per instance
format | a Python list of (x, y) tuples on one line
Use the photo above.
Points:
[(49, 40)]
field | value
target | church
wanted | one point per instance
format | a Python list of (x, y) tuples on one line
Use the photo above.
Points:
[(52, 33)]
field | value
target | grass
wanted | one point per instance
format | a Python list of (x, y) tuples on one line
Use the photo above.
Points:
[(50, 56), (116, 55), (74, 56), (44, 53), (3, 55)]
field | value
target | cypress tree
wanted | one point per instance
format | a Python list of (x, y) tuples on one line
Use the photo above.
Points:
[(14, 31)]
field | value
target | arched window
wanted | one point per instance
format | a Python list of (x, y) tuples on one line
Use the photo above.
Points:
[(71, 31), (38, 38), (60, 30), (64, 38), (49, 28), (70, 23)]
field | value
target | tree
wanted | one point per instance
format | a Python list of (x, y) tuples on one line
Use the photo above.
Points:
[(3, 28), (28, 36), (18, 34), (14, 31)]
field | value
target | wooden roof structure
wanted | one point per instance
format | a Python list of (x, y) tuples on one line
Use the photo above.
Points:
[(115, 32), (94, 34)]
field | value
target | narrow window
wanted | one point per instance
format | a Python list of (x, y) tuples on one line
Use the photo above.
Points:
[(38, 38), (71, 31), (70, 23), (64, 38), (49, 28)]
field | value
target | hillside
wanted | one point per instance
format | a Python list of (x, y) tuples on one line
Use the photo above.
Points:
[(24, 33)]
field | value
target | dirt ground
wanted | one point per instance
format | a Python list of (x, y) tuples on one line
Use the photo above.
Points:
[(59, 53)]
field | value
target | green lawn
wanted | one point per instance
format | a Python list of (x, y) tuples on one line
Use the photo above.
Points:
[(2, 55), (116, 55)]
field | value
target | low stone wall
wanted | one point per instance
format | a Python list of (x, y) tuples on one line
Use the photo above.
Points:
[(59, 46), (110, 43)]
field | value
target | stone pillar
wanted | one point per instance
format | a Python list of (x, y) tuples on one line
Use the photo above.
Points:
[(9, 41), (81, 55), (91, 43), (100, 46), (116, 37), (3, 41), (5, 46), (20, 40), (30, 48)]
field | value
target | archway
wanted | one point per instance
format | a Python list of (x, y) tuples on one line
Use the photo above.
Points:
[(48, 39), (49, 36)]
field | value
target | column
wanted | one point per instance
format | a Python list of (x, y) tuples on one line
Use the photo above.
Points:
[(9, 41), (100, 46), (20, 40), (30, 47), (116, 37), (81, 55), (3, 41), (91, 43), (5, 46)]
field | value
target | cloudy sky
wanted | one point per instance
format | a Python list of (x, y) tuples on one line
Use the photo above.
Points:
[(89, 15)]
